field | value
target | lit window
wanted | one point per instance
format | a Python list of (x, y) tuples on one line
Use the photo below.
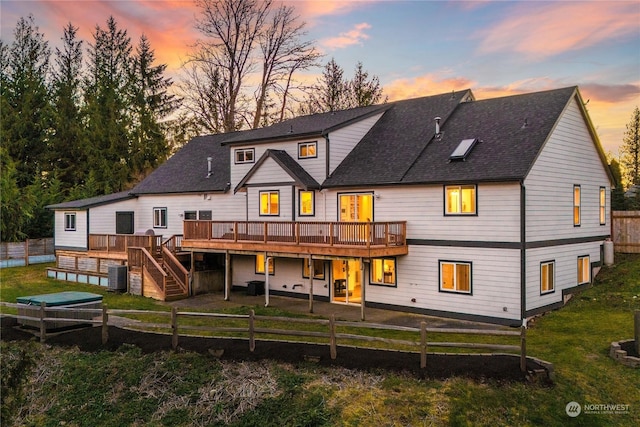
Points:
[(306, 203), (603, 205), (245, 155), (584, 270), (576, 205), (318, 268), (460, 199), (455, 277), (260, 264), (547, 277), (159, 217), (269, 203), (383, 271), (69, 222), (306, 150)]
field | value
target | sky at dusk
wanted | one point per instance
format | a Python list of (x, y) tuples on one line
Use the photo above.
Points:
[(416, 48)]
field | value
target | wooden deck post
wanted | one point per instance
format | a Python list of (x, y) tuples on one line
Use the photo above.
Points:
[(362, 290), (423, 344), (332, 337), (26, 252), (523, 348), (252, 337), (174, 327), (105, 325), (43, 327), (227, 276)]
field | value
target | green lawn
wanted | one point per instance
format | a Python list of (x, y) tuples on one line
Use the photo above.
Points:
[(181, 389)]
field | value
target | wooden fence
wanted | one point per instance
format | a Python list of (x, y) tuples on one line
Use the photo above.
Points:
[(252, 326), (29, 248), (626, 231)]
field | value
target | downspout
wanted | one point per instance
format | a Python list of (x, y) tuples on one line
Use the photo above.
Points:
[(88, 230), (327, 155), (523, 254)]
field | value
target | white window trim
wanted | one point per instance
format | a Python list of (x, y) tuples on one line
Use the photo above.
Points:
[(268, 193), (67, 217), (308, 144), (602, 201), (244, 151), (588, 269), (577, 204), (460, 212), (553, 283), (455, 289), (155, 217)]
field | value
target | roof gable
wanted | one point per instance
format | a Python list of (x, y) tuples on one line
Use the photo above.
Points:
[(293, 169)]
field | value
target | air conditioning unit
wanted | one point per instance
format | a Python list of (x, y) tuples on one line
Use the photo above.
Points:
[(118, 278)]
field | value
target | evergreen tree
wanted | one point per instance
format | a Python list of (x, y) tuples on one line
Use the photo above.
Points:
[(15, 204), (617, 193), (25, 118), (630, 158), (362, 91), (68, 152), (107, 100), (151, 105)]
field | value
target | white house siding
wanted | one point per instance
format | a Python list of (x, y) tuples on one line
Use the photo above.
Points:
[(569, 158), (285, 203), (315, 166), (566, 270), (495, 282), (103, 218), (71, 239), (498, 218), (287, 272), (270, 171), (343, 140), (225, 207)]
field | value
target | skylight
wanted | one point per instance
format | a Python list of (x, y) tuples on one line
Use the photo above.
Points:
[(463, 149)]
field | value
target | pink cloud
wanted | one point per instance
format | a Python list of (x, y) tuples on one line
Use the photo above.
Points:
[(349, 38), (428, 84), (540, 30)]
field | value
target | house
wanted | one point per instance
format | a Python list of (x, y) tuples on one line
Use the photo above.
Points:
[(492, 210)]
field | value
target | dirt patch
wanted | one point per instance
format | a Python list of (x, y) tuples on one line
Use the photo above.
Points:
[(439, 366)]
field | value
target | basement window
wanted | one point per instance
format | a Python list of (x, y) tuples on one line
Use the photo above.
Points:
[(463, 149)]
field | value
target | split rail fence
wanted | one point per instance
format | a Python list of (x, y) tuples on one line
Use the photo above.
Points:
[(250, 327)]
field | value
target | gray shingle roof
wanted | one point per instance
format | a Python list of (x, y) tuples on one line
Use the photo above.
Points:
[(186, 171), (288, 164), (507, 148), (312, 125), (389, 149), (92, 201)]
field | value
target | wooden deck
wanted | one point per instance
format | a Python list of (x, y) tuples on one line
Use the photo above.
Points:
[(340, 239)]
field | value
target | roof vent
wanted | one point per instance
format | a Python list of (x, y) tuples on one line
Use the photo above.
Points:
[(209, 166), (463, 149), (525, 124)]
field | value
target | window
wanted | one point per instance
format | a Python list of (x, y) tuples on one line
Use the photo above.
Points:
[(460, 200), (463, 149), (204, 215), (69, 222), (307, 150), (584, 270), (383, 271), (576, 205), (318, 268), (547, 277), (189, 215), (245, 155), (306, 203), (159, 217), (260, 264), (455, 276), (603, 205), (269, 203)]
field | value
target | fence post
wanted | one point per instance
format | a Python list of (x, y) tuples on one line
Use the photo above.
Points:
[(174, 327), (523, 348), (105, 325), (423, 344), (252, 338), (26, 252), (636, 329), (332, 337), (43, 328)]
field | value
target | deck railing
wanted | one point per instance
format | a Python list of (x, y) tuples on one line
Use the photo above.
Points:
[(366, 234), (121, 242)]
